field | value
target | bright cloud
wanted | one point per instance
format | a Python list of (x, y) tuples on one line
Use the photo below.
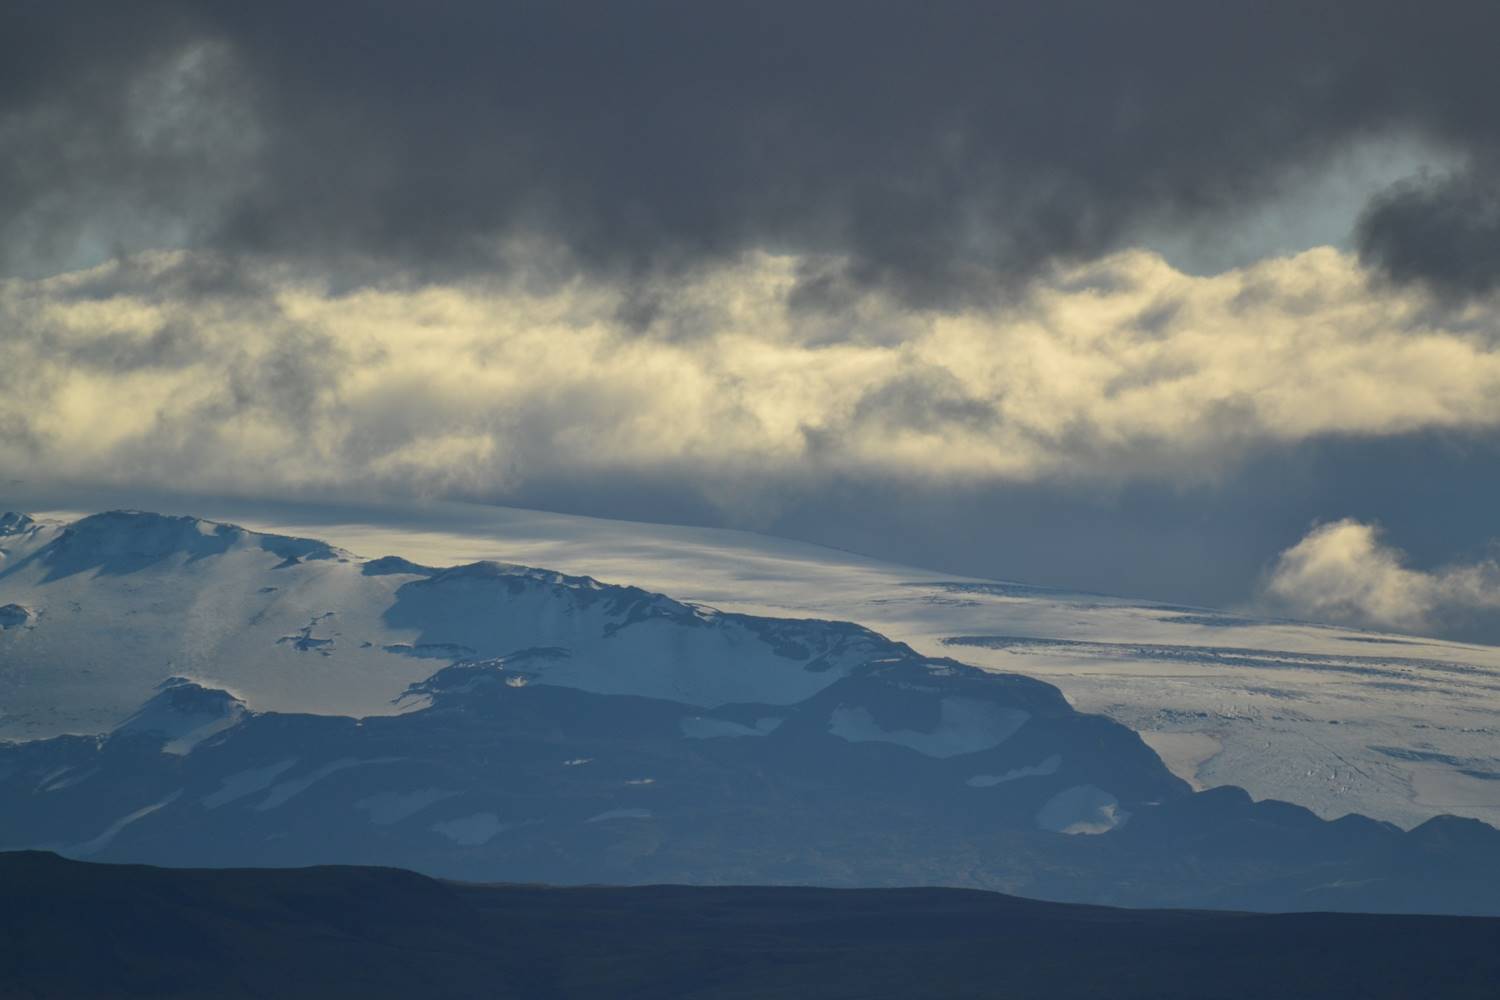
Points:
[(1344, 572), (180, 368)]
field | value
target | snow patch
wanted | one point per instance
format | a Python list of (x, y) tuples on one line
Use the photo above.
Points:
[(965, 725), (1184, 753), (1048, 766), (700, 727), (98, 844), (283, 792), (392, 807), (1082, 809), (619, 814), (59, 780), (471, 831), (237, 786)]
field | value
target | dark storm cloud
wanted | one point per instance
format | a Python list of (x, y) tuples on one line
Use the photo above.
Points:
[(1443, 231), (119, 129), (936, 149)]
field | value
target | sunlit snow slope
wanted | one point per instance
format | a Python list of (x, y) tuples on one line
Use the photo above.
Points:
[(1335, 719)]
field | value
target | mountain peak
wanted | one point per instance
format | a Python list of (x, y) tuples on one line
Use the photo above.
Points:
[(493, 569), (15, 616), (471, 676), (185, 712), (13, 522), (126, 540), (635, 602)]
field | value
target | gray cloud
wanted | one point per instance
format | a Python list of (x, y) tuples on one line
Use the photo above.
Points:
[(1443, 231), (121, 128), (937, 152)]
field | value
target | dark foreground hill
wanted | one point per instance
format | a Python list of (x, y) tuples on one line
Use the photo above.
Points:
[(72, 929)]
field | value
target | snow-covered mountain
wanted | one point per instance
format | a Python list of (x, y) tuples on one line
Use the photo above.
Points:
[(242, 698), (1399, 728), (116, 602)]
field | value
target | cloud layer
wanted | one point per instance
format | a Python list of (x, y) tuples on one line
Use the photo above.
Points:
[(860, 271), (938, 152), (221, 374)]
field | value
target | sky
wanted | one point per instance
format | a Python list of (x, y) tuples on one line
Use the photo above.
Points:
[(1196, 302)]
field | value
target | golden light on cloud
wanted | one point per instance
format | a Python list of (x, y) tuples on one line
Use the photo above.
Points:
[(1345, 571), (1119, 368)]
